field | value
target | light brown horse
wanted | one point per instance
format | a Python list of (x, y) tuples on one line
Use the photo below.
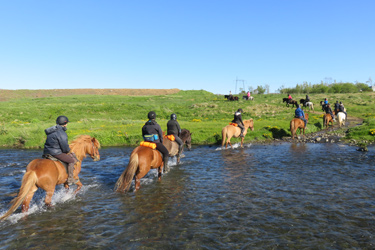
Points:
[(230, 131), (327, 118), (46, 174), (297, 123), (143, 159)]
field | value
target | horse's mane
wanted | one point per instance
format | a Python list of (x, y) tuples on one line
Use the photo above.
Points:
[(78, 146)]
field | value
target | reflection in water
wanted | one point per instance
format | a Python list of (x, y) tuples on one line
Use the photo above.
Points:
[(260, 197)]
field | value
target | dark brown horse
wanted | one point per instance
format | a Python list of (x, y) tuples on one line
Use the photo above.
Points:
[(46, 174), (230, 131), (297, 123), (143, 159), (172, 146), (327, 118), (293, 102)]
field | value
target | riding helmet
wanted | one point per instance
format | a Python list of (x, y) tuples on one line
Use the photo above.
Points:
[(62, 120), (240, 110), (151, 115), (173, 116)]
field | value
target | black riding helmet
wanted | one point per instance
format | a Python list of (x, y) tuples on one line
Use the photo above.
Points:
[(62, 120), (151, 115), (173, 116), (240, 110)]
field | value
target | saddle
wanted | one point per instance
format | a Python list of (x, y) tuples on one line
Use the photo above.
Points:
[(51, 157)]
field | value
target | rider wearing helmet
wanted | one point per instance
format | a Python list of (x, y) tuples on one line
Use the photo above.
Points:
[(152, 132), (337, 107), (328, 110), (238, 120), (173, 128), (306, 100), (298, 113), (342, 109), (57, 145)]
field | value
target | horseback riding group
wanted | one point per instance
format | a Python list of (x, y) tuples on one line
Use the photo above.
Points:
[(328, 117)]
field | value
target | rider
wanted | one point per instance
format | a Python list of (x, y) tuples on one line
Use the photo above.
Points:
[(342, 109), (300, 114), (248, 95), (57, 145), (289, 98), (238, 120), (152, 132), (173, 128), (337, 106), (306, 100), (328, 110)]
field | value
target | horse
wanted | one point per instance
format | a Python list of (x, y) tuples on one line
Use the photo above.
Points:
[(341, 118), (302, 101), (327, 118), (47, 174), (289, 102), (233, 98), (230, 131), (310, 105), (297, 123), (245, 97), (143, 159), (173, 147)]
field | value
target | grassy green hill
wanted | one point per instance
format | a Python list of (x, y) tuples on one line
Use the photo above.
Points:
[(117, 120)]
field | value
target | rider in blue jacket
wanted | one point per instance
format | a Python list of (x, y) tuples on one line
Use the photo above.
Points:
[(300, 114)]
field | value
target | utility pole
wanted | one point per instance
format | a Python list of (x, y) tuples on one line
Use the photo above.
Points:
[(239, 81)]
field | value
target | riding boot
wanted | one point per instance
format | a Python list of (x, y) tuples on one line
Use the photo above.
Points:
[(180, 148), (166, 166), (71, 180)]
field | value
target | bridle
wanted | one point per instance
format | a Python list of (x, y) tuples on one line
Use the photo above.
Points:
[(95, 156)]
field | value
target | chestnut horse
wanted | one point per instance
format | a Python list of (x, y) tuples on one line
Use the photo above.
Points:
[(297, 123), (143, 159), (230, 131), (327, 118), (46, 174)]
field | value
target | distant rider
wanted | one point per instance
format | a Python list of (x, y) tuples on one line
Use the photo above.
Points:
[(173, 128), (342, 109), (152, 132), (248, 95), (306, 100), (289, 98), (337, 107), (300, 114), (57, 146), (238, 120), (328, 110)]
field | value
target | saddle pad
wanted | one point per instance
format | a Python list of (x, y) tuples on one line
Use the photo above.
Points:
[(171, 137), (148, 144), (233, 124)]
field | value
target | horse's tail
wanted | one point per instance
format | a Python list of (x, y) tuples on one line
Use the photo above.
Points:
[(224, 136), (124, 181), (292, 127), (28, 182)]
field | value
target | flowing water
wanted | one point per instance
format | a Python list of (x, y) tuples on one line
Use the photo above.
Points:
[(281, 196)]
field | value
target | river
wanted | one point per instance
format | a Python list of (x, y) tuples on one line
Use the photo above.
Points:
[(278, 196)]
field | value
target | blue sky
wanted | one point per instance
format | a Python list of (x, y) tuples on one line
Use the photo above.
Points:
[(185, 44)]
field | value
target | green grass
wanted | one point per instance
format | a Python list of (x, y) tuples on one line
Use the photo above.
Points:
[(117, 120)]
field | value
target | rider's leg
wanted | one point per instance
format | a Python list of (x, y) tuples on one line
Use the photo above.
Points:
[(71, 162), (164, 151), (180, 143), (242, 129)]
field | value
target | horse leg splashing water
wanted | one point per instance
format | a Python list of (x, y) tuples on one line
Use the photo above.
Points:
[(230, 131), (46, 174)]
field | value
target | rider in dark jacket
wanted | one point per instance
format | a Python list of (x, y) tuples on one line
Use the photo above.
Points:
[(57, 145), (342, 109), (298, 113), (337, 107), (328, 110), (306, 100), (238, 120), (173, 128), (152, 132)]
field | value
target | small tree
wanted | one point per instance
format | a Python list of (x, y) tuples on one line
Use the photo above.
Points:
[(260, 90)]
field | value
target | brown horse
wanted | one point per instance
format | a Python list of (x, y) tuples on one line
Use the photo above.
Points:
[(46, 174), (230, 131), (172, 146), (327, 118), (297, 123), (143, 159)]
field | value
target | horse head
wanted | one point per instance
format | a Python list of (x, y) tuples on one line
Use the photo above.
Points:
[(86, 144), (186, 137), (249, 124)]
